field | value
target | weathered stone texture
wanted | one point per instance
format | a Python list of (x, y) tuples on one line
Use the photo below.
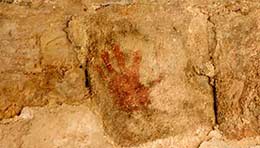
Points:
[(237, 60), (149, 69), (38, 63), (175, 50)]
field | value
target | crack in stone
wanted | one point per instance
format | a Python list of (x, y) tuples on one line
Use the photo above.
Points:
[(88, 81), (215, 99), (212, 47)]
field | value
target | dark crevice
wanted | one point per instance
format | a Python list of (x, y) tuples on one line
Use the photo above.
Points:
[(82, 66), (215, 103), (212, 40), (87, 80)]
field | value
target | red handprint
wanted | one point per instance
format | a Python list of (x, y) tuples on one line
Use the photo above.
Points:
[(124, 84)]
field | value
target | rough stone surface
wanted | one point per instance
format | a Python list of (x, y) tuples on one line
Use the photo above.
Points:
[(69, 126), (64, 126), (150, 68), (38, 63), (237, 62), (216, 140), (139, 73)]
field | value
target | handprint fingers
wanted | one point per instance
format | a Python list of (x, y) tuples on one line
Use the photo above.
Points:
[(106, 60), (120, 58), (102, 73), (137, 58)]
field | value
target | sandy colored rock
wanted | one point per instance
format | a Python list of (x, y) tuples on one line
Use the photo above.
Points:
[(38, 63), (237, 61), (136, 73), (216, 140), (76, 126), (179, 101), (64, 126)]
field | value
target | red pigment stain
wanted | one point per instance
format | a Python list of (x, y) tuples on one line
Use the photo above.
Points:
[(124, 84)]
